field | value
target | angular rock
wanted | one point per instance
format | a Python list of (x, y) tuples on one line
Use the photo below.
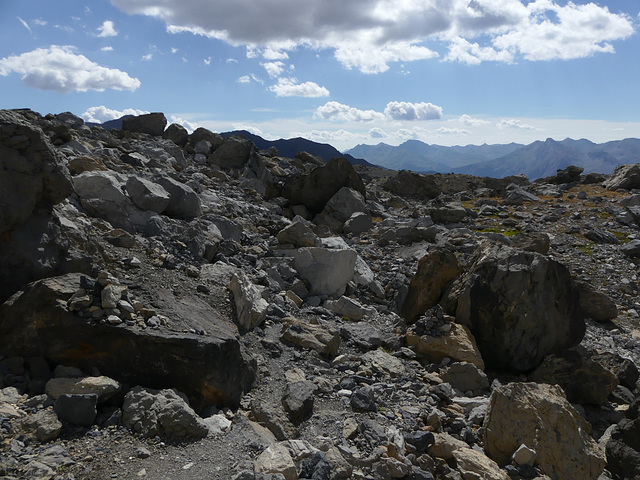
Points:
[(103, 387), (601, 236), (276, 459), (347, 307), (539, 415), (299, 234), (520, 306), (147, 195), (328, 271), (43, 425), (313, 190), (151, 123), (183, 202), (466, 377), (298, 400), (449, 214), (624, 369), (233, 153), (210, 369), (626, 177), (583, 380), (359, 222), (435, 272), (251, 307), (177, 134), (324, 339), (413, 184), (623, 450), (458, 344), (631, 248), (595, 304), (532, 241), (161, 412), (274, 418), (380, 361), (202, 133), (79, 409), (344, 203), (473, 465), (517, 195)]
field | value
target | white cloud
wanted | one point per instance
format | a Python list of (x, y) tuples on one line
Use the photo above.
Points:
[(59, 69), (40, 22), (249, 128), (103, 114), (207, 61), (274, 69), (190, 126), (371, 34), (244, 79), (339, 112), (174, 50), (413, 111), (377, 133), (469, 121), (107, 29), (25, 24), (147, 57), (458, 132), (232, 60), (514, 123), (107, 49), (287, 87), (328, 136)]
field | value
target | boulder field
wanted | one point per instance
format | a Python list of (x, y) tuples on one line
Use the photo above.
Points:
[(179, 305)]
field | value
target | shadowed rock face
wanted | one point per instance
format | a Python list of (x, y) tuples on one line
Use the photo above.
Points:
[(519, 305), (210, 370)]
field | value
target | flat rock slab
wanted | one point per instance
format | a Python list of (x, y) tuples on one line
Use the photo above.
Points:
[(211, 369)]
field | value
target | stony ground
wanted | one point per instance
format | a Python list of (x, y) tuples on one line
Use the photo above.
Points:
[(408, 391)]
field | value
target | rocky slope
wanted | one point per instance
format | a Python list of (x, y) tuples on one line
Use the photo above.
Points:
[(186, 306)]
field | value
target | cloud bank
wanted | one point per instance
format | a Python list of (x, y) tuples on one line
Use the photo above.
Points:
[(371, 34), (60, 69), (405, 111)]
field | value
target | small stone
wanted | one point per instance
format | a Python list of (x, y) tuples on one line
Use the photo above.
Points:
[(524, 455), (143, 452)]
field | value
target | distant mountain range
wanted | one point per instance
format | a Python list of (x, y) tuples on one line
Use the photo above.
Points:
[(289, 148), (536, 160)]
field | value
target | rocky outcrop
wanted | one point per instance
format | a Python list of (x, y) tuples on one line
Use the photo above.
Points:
[(520, 306), (313, 190), (540, 417), (624, 177), (150, 123), (211, 370), (414, 184)]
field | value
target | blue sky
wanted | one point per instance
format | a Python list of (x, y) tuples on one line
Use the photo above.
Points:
[(448, 72)]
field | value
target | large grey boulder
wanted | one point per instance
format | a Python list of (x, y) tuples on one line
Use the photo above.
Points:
[(211, 369), (233, 153), (520, 306), (147, 195), (251, 307), (150, 123), (345, 203), (540, 417), (328, 271), (183, 202), (177, 134), (413, 184), (161, 412), (626, 177), (314, 189)]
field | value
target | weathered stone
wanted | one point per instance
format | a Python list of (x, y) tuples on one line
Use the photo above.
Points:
[(233, 153), (449, 214), (177, 134), (210, 369), (299, 234), (183, 201), (532, 241), (43, 425), (344, 203), (103, 387), (202, 133), (359, 222), (313, 190), (298, 400), (473, 465), (539, 415), (251, 307), (328, 271), (79, 409), (444, 445), (324, 339), (161, 412), (458, 344), (151, 123), (624, 369), (380, 361), (435, 272), (516, 195), (623, 450), (413, 184), (466, 377), (519, 305), (582, 379), (595, 304), (347, 307), (274, 418), (276, 459), (626, 177), (147, 195)]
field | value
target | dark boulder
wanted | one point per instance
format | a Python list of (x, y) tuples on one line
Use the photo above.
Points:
[(413, 184), (151, 124)]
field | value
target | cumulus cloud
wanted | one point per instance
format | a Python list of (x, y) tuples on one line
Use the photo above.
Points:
[(288, 87), (190, 126), (469, 121), (244, 79), (339, 112), (60, 69), (103, 114), (514, 123), (377, 133), (413, 111), (371, 34), (274, 69), (107, 49), (328, 136), (107, 29)]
